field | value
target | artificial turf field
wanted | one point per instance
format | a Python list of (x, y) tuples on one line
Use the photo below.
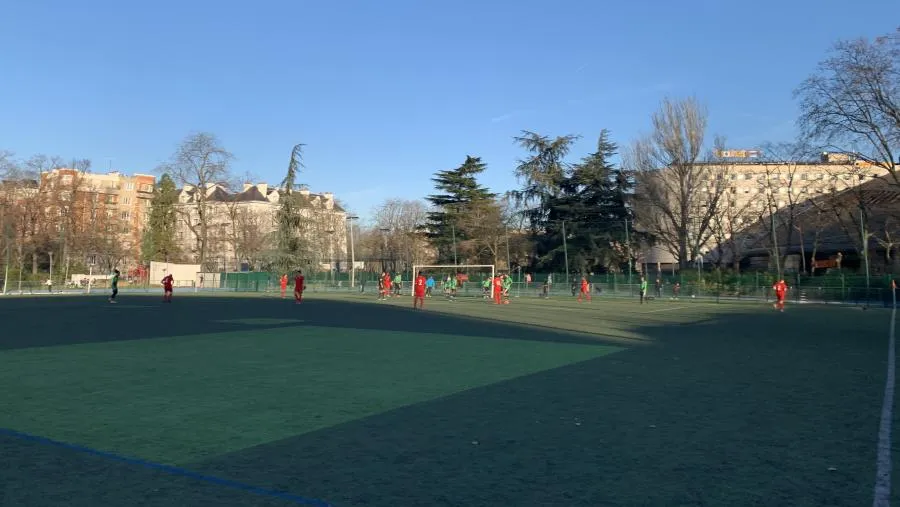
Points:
[(240, 401)]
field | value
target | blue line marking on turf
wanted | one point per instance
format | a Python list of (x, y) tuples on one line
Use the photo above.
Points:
[(167, 468)]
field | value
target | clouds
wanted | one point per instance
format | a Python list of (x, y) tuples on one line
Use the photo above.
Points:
[(611, 95), (510, 115)]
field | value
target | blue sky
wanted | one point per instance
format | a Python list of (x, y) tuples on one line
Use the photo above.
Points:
[(386, 93)]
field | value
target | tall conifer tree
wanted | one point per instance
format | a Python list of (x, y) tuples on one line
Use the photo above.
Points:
[(457, 190)]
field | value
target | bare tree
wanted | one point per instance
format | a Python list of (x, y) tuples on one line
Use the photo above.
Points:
[(197, 165), (782, 189), (853, 99), (727, 226), (678, 190), (486, 224), (400, 224)]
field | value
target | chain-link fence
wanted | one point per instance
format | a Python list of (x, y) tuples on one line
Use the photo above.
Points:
[(709, 286)]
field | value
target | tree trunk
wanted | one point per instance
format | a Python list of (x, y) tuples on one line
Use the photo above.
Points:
[(683, 260)]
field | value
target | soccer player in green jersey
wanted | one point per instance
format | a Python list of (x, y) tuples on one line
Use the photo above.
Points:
[(643, 289), (451, 287), (114, 284), (506, 285)]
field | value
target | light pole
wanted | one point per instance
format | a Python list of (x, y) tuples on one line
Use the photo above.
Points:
[(565, 251), (628, 252), (384, 231), (453, 232), (350, 220), (865, 245), (508, 264), (331, 254), (7, 243)]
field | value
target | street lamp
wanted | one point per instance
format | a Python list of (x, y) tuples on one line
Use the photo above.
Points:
[(350, 219)]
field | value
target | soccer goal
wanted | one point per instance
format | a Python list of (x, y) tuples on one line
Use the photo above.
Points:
[(469, 277)]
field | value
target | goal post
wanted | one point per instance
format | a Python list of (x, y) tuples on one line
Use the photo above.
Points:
[(448, 269)]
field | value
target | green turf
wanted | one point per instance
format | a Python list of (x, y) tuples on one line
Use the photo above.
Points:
[(464, 404), (189, 397)]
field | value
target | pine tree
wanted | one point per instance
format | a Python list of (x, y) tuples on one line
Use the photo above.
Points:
[(291, 249), (592, 201), (457, 190), (158, 241)]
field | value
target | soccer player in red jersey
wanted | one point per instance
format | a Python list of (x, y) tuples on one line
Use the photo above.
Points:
[(167, 282), (283, 285), (386, 280), (299, 287), (498, 289), (780, 289), (419, 291), (585, 290)]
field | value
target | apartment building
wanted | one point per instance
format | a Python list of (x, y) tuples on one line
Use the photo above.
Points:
[(241, 225), (746, 191), (101, 215)]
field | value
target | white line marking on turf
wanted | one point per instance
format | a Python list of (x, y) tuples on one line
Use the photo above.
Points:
[(883, 475), (668, 309)]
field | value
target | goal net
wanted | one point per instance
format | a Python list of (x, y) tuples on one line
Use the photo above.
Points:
[(469, 278)]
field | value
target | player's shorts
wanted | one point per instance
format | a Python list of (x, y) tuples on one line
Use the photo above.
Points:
[(167, 288), (420, 294)]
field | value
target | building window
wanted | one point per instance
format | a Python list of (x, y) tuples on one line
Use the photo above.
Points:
[(126, 200), (125, 215), (66, 179), (129, 185)]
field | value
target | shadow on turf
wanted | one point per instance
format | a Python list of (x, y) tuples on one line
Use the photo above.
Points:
[(39, 473), (755, 410), (751, 409), (91, 319)]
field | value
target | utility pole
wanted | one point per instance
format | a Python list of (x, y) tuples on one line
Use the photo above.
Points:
[(350, 220)]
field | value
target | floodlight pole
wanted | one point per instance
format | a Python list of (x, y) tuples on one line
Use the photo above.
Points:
[(453, 232), (6, 270), (508, 264), (865, 246), (628, 252), (565, 251), (350, 220)]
